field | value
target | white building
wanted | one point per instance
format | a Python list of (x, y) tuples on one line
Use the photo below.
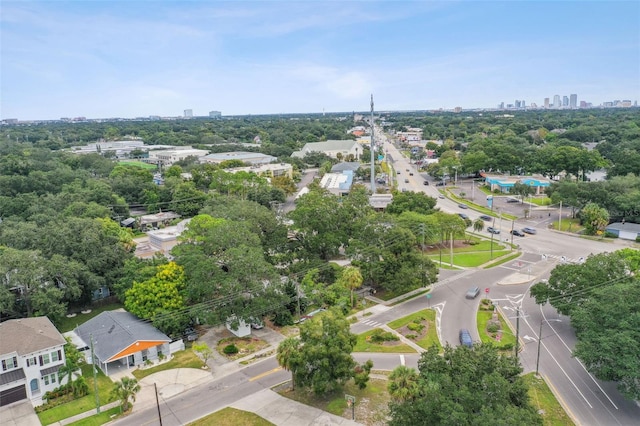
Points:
[(31, 353), (245, 157), (332, 148), (169, 156)]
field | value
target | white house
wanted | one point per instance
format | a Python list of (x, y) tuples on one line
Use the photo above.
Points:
[(31, 353)]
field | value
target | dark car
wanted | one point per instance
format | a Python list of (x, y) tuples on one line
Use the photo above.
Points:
[(464, 216), (473, 292), (493, 230), (517, 233), (426, 182), (465, 338), (531, 231), (191, 334), (486, 218), (406, 181), (440, 184), (398, 172), (410, 173), (463, 206)]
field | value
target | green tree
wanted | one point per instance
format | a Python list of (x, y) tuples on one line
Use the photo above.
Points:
[(522, 190), (594, 218), (417, 202), (203, 350), (325, 361), (288, 357), (162, 293), (608, 335), (351, 278), (404, 384), (465, 386), (125, 390), (478, 225), (73, 361)]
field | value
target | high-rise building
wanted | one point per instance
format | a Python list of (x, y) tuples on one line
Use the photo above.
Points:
[(546, 102), (215, 114), (573, 101), (556, 101), (523, 104), (565, 101), (188, 113)]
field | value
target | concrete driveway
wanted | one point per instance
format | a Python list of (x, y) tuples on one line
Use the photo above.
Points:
[(19, 414)]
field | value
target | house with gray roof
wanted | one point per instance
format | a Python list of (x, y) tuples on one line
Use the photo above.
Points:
[(624, 230), (31, 353), (346, 149), (121, 341)]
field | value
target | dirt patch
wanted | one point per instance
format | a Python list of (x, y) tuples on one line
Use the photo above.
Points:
[(245, 345), (415, 330)]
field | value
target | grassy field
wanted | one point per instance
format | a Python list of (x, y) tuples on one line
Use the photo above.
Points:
[(181, 359), (507, 341), (569, 225), (98, 419), (68, 324), (539, 201), (428, 315), (502, 261), (543, 399), (139, 164), (363, 345), (469, 259), (231, 417), (371, 402), (80, 405)]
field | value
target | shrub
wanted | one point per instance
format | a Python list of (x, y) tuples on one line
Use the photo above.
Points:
[(230, 349), (415, 327), (507, 346), (493, 328), (412, 336), (379, 336), (608, 234)]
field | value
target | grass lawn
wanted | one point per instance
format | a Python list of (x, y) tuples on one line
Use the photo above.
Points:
[(502, 261), (540, 201), (246, 346), (362, 345), (98, 419), (139, 164), (428, 315), (181, 359), (543, 399), (231, 417), (470, 259), (68, 324), (86, 403), (507, 341), (569, 225), (371, 402)]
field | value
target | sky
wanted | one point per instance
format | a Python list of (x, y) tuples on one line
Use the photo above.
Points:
[(103, 59)]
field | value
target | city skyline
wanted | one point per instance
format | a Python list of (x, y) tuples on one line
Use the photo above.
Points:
[(136, 59)]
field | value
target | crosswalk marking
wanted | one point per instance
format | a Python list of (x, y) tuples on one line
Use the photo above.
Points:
[(372, 323), (563, 259)]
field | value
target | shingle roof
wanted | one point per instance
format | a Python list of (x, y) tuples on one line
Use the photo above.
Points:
[(114, 331), (28, 335)]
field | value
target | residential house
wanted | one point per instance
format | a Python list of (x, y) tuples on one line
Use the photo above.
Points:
[(159, 241), (121, 341), (624, 230), (31, 353)]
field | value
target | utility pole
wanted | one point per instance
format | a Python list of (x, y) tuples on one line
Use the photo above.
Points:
[(493, 226), (560, 218), (539, 342), (373, 162), (95, 378), (155, 386), (512, 223), (517, 332)]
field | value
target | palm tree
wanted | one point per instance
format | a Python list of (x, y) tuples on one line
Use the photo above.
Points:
[(73, 359), (478, 225), (403, 383), (125, 390), (351, 278), (287, 356)]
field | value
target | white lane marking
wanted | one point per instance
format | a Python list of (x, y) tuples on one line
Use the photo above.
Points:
[(401, 359)]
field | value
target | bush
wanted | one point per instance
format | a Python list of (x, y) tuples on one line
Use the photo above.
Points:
[(608, 234), (379, 336), (412, 336), (507, 346), (493, 328), (230, 349), (283, 317), (415, 327)]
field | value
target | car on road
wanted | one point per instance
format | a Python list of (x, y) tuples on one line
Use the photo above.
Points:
[(440, 184), (398, 172), (465, 338), (512, 200), (410, 173), (406, 170), (463, 206), (441, 196), (406, 181), (493, 230), (486, 218), (426, 183), (517, 233), (528, 230), (464, 216), (473, 292)]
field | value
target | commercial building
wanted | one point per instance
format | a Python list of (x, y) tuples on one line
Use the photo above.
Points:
[(340, 149), (167, 157), (252, 158)]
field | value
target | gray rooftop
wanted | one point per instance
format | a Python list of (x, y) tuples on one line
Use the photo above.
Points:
[(627, 227), (353, 166), (330, 145), (28, 335), (114, 331)]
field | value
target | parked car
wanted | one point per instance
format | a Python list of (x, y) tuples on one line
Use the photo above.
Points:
[(410, 173), (493, 230), (517, 233), (257, 324), (528, 230), (486, 218), (406, 181), (463, 206), (512, 200), (426, 183), (465, 338), (473, 292), (464, 216), (440, 184), (406, 170), (398, 172), (190, 334)]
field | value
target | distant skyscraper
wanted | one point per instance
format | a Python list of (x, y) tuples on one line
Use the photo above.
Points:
[(565, 101), (546, 102), (215, 114), (573, 101), (188, 113), (556, 101), (523, 104)]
